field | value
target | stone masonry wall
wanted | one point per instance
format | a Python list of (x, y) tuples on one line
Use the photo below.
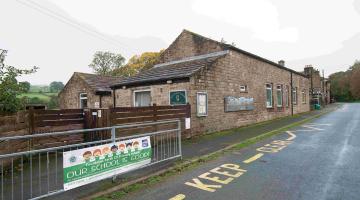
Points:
[(189, 44), (69, 98)]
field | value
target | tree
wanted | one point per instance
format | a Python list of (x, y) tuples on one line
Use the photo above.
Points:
[(138, 63), (345, 86), (56, 86), (9, 86), (355, 80), (25, 85), (104, 63)]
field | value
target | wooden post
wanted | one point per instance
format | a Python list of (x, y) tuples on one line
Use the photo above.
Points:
[(31, 125)]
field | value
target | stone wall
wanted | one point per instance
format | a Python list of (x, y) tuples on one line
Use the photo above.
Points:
[(69, 97), (223, 79), (189, 44)]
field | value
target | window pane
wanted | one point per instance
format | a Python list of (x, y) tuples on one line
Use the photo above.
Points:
[(142, 99)]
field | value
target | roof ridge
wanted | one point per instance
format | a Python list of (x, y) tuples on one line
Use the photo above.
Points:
[(193, 58)]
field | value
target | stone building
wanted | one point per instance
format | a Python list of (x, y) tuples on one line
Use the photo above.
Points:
[(226, 87), (319, 86), (87, 91)]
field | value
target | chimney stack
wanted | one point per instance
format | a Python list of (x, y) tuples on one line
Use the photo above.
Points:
[(282, 63)]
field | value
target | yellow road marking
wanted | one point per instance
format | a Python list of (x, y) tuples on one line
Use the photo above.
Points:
[(178, 197), (292, 135), (198, 184), (252, 159), (314, 124)]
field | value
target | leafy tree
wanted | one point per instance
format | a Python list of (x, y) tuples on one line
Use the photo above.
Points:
[(25, 85), (345, 86), (104, 63), (56, 86), (355, 80), (53, 103), (9, 86), (138, 63)]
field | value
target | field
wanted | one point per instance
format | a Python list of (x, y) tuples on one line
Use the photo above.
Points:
[(45, 97)]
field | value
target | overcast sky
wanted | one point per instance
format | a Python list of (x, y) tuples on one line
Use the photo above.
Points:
[(61, 36)]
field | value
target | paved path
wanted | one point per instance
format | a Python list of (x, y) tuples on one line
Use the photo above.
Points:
[(318, 160)]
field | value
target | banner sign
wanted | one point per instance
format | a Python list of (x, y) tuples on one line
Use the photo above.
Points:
[(91, 164), (238, 103)]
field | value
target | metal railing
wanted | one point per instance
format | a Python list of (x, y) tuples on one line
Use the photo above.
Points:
[(38, 173)]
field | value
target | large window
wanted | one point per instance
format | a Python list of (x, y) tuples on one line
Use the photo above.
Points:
[(279, 95), (303, 97), (142, 98), (202, 104), (83, 100), (294, 96), (269, 97), (287, 96)]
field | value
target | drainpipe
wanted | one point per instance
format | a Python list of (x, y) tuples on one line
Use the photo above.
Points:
[(100, 104), (114, 98), (291, 93)]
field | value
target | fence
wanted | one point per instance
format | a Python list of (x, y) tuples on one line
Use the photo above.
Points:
[(38, 173), (46, 121)]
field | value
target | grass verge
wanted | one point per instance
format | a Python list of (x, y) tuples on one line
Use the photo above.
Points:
[(119, 191)]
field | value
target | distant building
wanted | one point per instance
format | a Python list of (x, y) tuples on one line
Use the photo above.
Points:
[(87, 91), (226, 87), (319, 86)]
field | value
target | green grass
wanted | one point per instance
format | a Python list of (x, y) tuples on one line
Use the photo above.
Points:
[(42, 96)]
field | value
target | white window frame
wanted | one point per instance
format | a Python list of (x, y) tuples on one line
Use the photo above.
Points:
[(266, 99), (294, 95), (287, 88), (138, 91), (186, 98), (82, 98), (282, 94), (197, 104), (245, 89), (303, 96)]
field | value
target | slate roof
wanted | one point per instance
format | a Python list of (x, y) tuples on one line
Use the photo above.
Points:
[(172, 70), (99, 83)]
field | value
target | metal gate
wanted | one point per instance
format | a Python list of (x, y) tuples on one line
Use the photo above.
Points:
[(38, 173)]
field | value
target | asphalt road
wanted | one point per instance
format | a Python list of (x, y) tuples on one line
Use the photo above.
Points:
[(318, 160)]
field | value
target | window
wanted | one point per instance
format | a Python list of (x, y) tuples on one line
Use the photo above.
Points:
[(269, 97), (279, 95), (287, 96), (177, 97), (83, 100), (243, 88), (202, 104), (303, 94), (294, 96), (142, 98)]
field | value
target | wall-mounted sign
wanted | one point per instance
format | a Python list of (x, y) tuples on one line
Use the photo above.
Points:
[(178, 97), (202, 104), (91, 164), (238, 103)]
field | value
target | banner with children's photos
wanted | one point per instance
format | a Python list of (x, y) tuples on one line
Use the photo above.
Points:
[(91, 164)]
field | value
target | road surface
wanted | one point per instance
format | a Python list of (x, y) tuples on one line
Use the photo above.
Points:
[(318, 160)]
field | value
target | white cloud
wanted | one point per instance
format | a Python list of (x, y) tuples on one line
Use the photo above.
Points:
[(261, 16)]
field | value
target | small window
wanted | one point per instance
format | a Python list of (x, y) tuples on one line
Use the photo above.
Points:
[(83, 100), (294, 96), (202, 104), (279, 95), (269, 97), (303, 94), (243, 88), (178, 97), (287, 96), (142, 98)]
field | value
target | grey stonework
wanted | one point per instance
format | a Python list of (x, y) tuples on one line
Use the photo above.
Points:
[(223, 78)]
